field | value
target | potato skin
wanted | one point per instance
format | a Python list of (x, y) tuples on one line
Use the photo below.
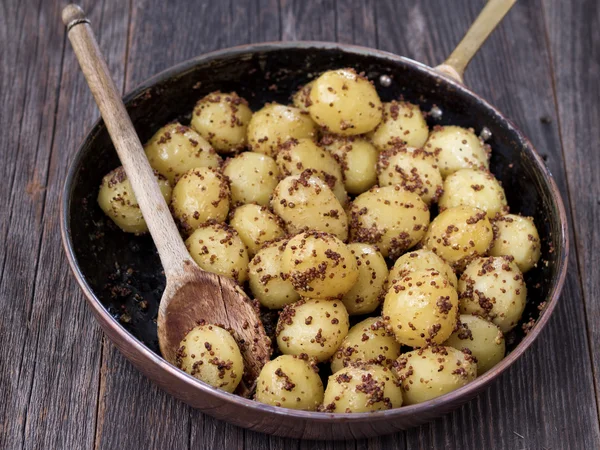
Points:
[(319, 265), (421, 309), (252, 178), (301, 99), (176, 149), (368, 342), (403, 123), (365, 295), (457, 148), (269, 285), (305, 202), (117, 200), (458, 235), (210, 353), (344, 102), (417, 260), (494, 288), (200, 196), (275, 124), (430, 372), (482, 338), (314, 327), (290, 382), (222, 119), (217, 248), (362, 388), (256, 225), (297, 155), (476, 188), (357, 158), (518, 237), (390, 218)]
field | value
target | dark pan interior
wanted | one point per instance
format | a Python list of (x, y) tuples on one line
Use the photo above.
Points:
[(124, 271)]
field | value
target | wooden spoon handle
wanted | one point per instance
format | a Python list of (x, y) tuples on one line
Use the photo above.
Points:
[(488, 19), (164, 232)]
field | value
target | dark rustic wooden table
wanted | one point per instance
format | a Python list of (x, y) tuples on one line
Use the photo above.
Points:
[(64, 386)]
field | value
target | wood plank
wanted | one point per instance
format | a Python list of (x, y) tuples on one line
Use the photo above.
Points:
[(530, 405), (574, 41)]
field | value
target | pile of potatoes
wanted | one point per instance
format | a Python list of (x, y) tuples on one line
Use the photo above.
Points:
[(322, 210)]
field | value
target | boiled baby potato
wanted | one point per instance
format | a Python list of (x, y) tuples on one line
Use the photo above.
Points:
[(403, 124), (476, 188), (305, 202), (459, 234), (414, 169), (344, 102), (297, 155), (275, 124), (301, 99), (365, 295), (518, 237), (369, 342), (457, 148), (256, 225), (200, 196), (358, 160), (117, 200), (493, 287), (362, 388), (290, 382), (390, 218), (429, 372), (268, 283), (222, 119), (421, 309), (314, 327), (252, 178), (417, 260), (319, 265), (176, 149), (210, 354), (217, 248), (482, 338)]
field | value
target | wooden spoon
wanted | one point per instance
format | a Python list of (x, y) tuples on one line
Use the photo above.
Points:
[(191, 296)]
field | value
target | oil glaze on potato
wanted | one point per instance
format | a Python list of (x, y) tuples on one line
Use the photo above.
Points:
[(460, 234), (210, 353), (365, 295), (421, 309), (518, 237), (344, 102), (290, 382), (369, 342), (252, 178), (457, 148), (222, 119), (319, 265), (362, 388), (482, 338), (476, 188), (417, 260), (275, 124), (269, 285), (429, 372), (390, 218), (218, 249), (117, 200), (176, 149), (403, 124), (305, 202), (256, 225), (493, 287), (314, 327)]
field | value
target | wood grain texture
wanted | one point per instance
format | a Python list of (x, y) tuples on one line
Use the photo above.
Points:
[(63, 387), (575, 57)]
